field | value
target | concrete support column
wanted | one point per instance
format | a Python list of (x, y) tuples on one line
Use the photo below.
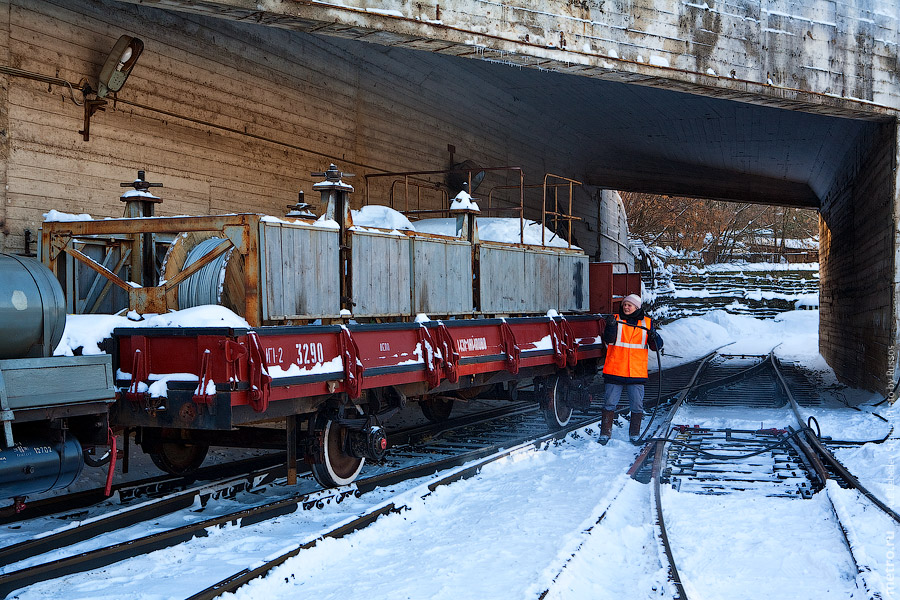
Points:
[(893, 357), (4, 122), (858, 246)]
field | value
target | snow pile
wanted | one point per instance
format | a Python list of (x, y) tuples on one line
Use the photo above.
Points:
[(326, 223), (497, 229), (384, 217), (740, 267), (791, 334), (463, 201), (87, 331), (139, 194), (60, 217)]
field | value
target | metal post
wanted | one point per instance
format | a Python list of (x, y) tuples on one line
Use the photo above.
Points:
[(336, 200), (291, 429), (140, 203)]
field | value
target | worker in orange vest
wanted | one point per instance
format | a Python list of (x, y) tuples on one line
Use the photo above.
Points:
[(629, 336)]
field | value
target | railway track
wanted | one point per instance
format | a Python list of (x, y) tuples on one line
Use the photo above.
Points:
[(789, 463), (691, 460), (417, 452)]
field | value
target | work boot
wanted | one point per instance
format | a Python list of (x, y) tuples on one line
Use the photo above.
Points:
[(634, 427), (606, 426)]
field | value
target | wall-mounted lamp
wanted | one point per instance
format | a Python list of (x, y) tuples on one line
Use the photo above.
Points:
[(115, 71), (118, 65)]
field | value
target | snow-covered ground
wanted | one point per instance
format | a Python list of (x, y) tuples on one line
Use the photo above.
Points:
[(507, 533), (511, 532), (565, 521)]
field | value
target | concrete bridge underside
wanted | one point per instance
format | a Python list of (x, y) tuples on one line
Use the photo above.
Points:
[(381, 96)]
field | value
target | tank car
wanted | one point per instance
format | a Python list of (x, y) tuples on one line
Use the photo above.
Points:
[(54, 409)]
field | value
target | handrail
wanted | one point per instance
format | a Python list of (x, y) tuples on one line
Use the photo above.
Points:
[(556, 214)]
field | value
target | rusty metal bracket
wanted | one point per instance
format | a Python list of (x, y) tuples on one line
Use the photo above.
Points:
[(90, 107), (58, 243), (431, 356), (260, 380), (238, 236), (510, 347), (449, 351), (200, 396), (353, 369), (138, 369)]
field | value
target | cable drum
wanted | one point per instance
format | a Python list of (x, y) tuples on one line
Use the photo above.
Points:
[(206, 285)]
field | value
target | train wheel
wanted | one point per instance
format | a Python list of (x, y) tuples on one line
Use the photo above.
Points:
[(178, 458), (556, 412), (337, 467), (436, 409)]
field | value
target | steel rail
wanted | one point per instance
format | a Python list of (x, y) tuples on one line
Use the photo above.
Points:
[(111, 554), (152, 487), (151, 509), (235, 581), (658, 448), (660, 521), (828, 457), (816, 450)]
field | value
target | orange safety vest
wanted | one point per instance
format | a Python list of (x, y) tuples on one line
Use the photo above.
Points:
[(627, 356)]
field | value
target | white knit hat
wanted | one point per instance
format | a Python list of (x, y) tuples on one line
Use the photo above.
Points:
[(634, 299)]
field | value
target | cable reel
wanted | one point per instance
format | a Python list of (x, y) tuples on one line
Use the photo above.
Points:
[(221, 281)]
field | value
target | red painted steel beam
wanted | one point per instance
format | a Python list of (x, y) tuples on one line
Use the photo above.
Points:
[(306, 361)]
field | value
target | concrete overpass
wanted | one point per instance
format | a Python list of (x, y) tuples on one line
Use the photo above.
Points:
[(234, 102)]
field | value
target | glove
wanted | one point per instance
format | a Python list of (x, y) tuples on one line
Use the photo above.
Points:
[(610, 321)]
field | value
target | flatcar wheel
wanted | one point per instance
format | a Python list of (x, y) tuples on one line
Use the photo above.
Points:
[(436, 409), (556, 412), (337, 467), (178, 458)]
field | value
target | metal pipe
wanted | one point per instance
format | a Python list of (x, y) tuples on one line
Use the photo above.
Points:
[(12, 71)]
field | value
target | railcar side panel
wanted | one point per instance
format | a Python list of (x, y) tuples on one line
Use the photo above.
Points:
[(502, 277), (300, 272), (442, 276), (380, 287), (573, 283)]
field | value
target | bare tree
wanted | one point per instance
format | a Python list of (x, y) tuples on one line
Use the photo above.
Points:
[(714, 228)]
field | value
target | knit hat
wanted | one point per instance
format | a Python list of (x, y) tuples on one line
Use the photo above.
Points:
[(634, 299)]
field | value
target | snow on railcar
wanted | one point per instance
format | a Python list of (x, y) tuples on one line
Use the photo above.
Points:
[(335, 341)]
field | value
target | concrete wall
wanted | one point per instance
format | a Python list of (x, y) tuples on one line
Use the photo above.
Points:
[(858, 282), (782, 51), (234, 103), (235, 116), (613, 233)]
